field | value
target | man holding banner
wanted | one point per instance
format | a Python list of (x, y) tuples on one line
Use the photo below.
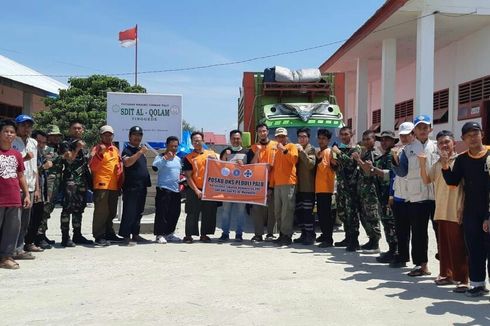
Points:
[(194, 168), (235, 153)]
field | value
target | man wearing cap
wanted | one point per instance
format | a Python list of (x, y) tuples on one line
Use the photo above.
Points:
[(107, 175), (284, 180), (76, 181), (382, 169), (419, 195), (27, 146), (472, 170), (53, 174), (136, 182)]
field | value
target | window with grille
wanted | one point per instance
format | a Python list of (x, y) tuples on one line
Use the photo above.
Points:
[(403, 112), (470, 96), (9, 111), (441, 106), (376, 120)]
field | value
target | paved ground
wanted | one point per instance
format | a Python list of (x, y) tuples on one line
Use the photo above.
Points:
[(223, 284)]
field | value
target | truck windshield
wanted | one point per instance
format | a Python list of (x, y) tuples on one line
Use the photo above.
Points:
[(293, 138)]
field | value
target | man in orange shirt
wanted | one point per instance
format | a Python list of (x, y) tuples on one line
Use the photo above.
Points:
[(263, 152), (107, 174), (284, 176), (194, 167), (324, 186)]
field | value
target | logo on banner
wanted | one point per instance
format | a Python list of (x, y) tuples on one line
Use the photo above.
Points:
[(116, 108), (236, 173), (248, 173), (225, 172)]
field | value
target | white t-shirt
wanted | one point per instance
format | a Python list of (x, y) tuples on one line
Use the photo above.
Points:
[(31, 165)]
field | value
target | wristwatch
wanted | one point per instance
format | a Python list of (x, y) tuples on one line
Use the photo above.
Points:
[(285, 151)]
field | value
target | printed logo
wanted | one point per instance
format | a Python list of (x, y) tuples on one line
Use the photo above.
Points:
[(116, 108), (225, 172), (236, 173), (248, 173)]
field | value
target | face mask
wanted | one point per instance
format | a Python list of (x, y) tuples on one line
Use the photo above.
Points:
[(236, 149)]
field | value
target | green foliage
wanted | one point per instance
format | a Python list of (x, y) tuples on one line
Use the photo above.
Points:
[(85, 100), (186, 126)]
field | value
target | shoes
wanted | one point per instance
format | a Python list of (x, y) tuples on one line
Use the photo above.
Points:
[(188, 239), (24, 255), (270, 238), (128, 242), (33, 248), (343, 243), (66, 241), (323, 238), (51, 242), (325, 245), (78, 238), (256, 239), (276, 241), (301, 238), (161, 239), (205, 239), (418, 271), (309, 239), (139, 239), (223, 238), (477, 291), (172, 238), (102, 242), (113, 238), (44, 244), (353, 246), (386, 257), (8, 263), (398, 262), (371, 247), (283, 240), (238, 238)]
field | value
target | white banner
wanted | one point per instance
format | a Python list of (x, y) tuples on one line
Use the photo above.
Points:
[(159, 115)]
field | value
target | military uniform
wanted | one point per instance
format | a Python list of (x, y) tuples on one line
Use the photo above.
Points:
[(384, 162), (347, 209)]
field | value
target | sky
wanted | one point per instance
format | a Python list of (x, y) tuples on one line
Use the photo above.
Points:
[(81, 38)]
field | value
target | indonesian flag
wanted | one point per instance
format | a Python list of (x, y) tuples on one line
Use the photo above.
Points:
[(128, 37)]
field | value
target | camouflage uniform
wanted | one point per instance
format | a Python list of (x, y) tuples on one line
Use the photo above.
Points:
[(76, 180), (384, 162), (346, 193), (53, 180), (369, 207)]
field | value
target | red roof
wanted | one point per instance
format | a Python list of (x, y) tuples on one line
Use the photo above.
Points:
[(212, 138)]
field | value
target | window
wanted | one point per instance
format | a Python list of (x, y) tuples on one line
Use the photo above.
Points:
[(470, 96), (9, 111), (376, 121), (441, 106), (403, 112)]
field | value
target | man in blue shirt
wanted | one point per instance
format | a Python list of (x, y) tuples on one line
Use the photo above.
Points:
[(136, 180), (167, 201)]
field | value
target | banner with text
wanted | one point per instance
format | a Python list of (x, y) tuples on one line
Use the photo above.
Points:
[(231, 182), (159, 115)]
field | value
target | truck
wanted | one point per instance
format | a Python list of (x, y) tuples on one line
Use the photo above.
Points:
[(291, 105)]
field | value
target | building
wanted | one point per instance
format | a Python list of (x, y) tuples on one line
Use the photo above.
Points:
[(22, 90), (417, 57)]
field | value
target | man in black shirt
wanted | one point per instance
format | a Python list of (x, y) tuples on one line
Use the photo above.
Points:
[(136, 180), (471, 169)]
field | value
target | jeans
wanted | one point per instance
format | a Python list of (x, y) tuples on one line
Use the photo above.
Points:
[(229, 210), (325, 216), (133, 206)]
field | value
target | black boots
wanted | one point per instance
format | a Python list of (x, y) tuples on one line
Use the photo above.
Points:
[(78, 238), (389, 256), (65, 240)]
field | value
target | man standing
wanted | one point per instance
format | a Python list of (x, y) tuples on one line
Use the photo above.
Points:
[(28, 149), (305, 197), (347, 201), (53, 172), (167, 201), (237, 154), (324, 187), (136, 180), (263, 152), (471, 169), (12, 181), (107, 172), (194, 168), (75, 183), (284, 176)]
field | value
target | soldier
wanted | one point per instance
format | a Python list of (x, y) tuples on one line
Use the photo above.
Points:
[(76, 182), (346, 189), (382, 168), (53, 174), (369, 206)]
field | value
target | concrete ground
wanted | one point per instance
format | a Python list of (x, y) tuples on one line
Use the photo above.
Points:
[(224, 284)]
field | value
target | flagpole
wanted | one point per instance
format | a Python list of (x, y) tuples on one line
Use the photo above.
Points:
[(136, 59)]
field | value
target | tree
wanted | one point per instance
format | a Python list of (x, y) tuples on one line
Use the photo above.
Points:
[(85, 100), (186, 126)]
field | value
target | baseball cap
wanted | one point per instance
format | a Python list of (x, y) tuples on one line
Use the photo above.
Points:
[(23, 118), (136, 130), (423, 118), (387, 133), (405, 128), (54, 130), (105, 129), (470, 126), (281, 132)]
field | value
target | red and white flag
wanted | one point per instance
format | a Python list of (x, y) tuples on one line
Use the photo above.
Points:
[(128, 37)]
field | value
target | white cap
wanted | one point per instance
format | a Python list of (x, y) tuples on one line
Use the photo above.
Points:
[(105, 129), (406, 128)]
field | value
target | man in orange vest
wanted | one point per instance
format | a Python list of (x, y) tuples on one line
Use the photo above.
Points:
[(107, 173), (194, 167)]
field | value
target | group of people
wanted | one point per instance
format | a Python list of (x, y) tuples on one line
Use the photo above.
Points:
[(399, 186)]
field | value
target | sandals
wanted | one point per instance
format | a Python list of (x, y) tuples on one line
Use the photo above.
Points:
[(9, 263), (461, 289), (443, 281), (418, 272)]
